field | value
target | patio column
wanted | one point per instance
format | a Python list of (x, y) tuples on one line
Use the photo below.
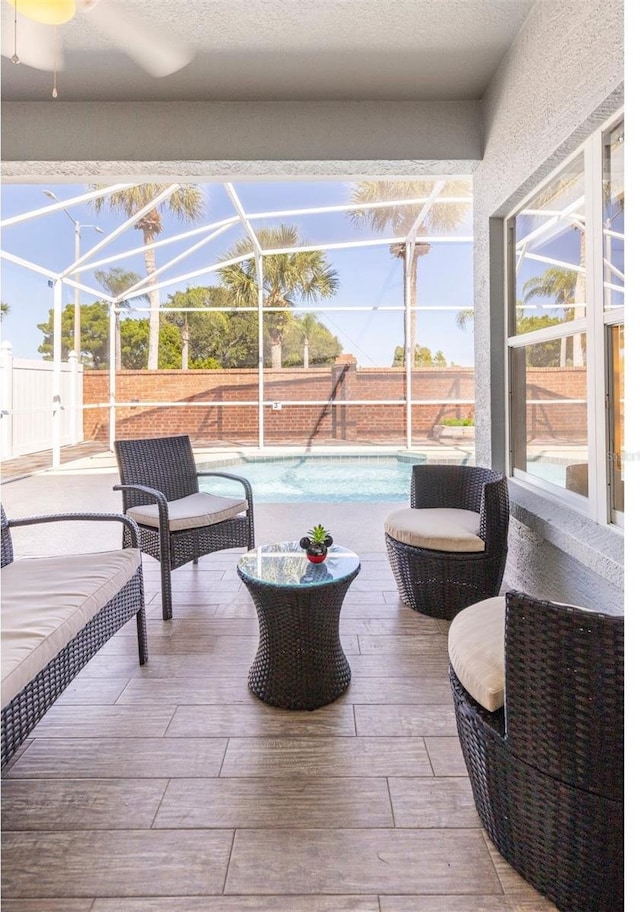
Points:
[(112, 374), (409, 303), (56, 374), (260, 280), (6, 400)]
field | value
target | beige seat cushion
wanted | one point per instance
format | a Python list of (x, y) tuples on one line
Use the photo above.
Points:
[(440, 529), (190, 512), (476, 651), (47, 601)]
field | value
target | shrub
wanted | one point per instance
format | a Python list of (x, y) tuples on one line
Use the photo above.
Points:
[(458, 422)]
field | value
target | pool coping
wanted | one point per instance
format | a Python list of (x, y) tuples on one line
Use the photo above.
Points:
[(105, 462)]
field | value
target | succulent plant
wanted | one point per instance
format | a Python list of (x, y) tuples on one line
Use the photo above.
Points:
[(318, 535)]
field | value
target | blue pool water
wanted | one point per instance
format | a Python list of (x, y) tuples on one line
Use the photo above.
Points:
[(331, 479)]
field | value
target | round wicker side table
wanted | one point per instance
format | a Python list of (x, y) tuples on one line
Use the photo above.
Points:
[(300, 663)]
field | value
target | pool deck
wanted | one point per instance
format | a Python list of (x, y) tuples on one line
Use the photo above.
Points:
[(87, 484), (85, 480), (93, 455), (171, 787)]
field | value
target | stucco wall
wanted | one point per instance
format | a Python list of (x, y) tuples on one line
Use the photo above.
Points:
[(561, 79), (325, 138)]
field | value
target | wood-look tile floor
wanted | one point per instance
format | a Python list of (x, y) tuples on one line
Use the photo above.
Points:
[(171, 788)]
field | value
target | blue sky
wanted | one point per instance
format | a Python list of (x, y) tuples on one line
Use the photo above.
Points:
[(369, 277)]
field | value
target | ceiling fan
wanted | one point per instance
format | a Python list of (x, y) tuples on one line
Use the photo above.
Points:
[(29, 34)]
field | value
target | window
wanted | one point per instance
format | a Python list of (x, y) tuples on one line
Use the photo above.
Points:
[(616, 417), (566, 331)]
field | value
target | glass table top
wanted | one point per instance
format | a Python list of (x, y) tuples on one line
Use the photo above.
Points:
[(286, 564)]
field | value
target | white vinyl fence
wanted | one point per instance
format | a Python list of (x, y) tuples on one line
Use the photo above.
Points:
[(27, 404)]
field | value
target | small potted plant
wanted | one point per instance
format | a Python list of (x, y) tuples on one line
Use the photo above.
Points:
[(315, 543)]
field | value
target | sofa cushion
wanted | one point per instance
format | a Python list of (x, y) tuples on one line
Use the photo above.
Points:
[(476, 651), (47, 601), (439, 529), (189, 512)]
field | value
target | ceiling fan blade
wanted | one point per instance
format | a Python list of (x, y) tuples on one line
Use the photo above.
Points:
[(152, 48), (34, 44)]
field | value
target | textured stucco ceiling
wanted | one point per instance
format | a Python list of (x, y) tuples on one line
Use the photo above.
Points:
[(290, 50)]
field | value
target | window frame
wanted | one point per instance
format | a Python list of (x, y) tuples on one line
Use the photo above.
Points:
[(596, 323)]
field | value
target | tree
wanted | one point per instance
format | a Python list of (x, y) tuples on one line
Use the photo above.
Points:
[(94, 325), (4, 310), (559, 284), (307, 325), (186, 203), (134, 338), (422, 356), (116, 281), (218, 339), (543, 354), (308, 341), (304, 275), (135, 345), (463, 317), (401, 219)]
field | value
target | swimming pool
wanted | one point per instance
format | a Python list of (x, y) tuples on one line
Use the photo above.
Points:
[(322, 479)]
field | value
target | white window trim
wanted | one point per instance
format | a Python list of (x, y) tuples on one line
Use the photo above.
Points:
[(598, 504)]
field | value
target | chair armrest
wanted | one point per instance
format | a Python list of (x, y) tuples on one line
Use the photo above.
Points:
[(243, 481), (143, 489), (158, 496), (494, 514), (81, 517)]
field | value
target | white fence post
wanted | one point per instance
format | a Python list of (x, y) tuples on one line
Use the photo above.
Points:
[(6, 400)]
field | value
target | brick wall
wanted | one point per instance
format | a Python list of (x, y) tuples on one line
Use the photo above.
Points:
[(237, 425), (556, 420)]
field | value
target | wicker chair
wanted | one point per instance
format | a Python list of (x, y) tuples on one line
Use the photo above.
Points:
[(177, 522), (546, 769), (442, 579)]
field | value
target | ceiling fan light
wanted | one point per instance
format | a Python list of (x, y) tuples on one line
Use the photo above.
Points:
[(49, 12)]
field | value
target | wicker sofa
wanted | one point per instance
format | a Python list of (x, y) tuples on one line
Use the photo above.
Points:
[(538, 695), (57, 612)]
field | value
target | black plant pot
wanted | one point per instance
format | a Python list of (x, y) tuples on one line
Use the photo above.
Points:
[(316, 552)]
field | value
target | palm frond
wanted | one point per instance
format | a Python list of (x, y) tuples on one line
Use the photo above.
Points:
[(401, 218)]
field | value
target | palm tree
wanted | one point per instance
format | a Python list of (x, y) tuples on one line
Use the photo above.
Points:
[(4, 310), (463, 317), (401, 219), (304, 274), (307, 323), (560, 284), (116, 281), (187, 203)]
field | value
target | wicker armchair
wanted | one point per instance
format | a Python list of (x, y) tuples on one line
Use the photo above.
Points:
[(177, 522), (546, 769), (439, 576)]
